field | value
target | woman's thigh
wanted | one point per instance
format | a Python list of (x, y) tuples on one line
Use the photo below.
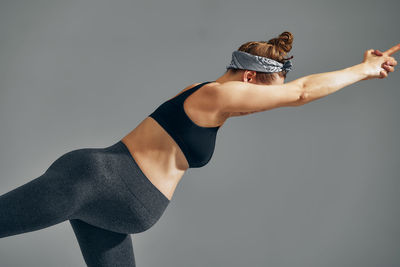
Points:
[(103, 248), (100, 186)]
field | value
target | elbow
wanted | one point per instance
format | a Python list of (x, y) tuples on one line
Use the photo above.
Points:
[(302, 96)]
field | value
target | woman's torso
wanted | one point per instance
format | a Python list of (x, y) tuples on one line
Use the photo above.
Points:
[(157, 154)]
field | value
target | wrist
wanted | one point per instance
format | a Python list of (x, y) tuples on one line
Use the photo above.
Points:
[(361, 70)]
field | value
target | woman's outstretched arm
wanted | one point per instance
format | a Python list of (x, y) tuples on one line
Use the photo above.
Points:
[(316, 86), (237, 96)]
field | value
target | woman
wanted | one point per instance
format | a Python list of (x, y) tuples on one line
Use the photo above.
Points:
[(112, 192)]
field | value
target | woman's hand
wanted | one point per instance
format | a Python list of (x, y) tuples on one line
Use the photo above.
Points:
[(378, 64)]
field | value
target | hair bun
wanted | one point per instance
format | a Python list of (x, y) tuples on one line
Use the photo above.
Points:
[(283, 42)]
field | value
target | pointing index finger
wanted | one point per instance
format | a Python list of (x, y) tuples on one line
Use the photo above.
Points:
[(392, 50)]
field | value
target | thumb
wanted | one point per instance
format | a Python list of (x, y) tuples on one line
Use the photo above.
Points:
[(377, 52)]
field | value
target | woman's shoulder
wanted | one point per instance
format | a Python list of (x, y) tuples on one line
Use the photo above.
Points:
[(190, 87)]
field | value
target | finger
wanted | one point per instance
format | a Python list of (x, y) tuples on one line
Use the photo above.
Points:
[(369, 51), (391, 62), (383, 74), (377, 52), (388, 68), (392, 50)]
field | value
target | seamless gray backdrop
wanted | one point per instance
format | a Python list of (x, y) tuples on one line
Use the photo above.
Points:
[(310, 186)]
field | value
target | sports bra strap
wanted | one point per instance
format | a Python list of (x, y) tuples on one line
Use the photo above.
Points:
[(179, 99)]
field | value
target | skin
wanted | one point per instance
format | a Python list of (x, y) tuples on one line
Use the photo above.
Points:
[(161, 159)]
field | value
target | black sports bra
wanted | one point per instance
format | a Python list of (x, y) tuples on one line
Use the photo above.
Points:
[(196, 142)]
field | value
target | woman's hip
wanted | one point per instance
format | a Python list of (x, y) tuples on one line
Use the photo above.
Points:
[(113, 193)]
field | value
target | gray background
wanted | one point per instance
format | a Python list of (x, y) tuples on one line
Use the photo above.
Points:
[(316, 185)]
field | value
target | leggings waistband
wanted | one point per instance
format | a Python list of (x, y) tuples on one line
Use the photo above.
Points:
[(140, 185)]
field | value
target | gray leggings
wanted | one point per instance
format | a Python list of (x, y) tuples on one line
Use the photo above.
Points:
[(101, 191)]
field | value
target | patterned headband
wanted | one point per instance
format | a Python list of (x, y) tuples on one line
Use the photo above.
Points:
[(243, 60)]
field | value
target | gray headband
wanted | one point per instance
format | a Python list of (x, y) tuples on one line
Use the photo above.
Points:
[(243, 60)]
